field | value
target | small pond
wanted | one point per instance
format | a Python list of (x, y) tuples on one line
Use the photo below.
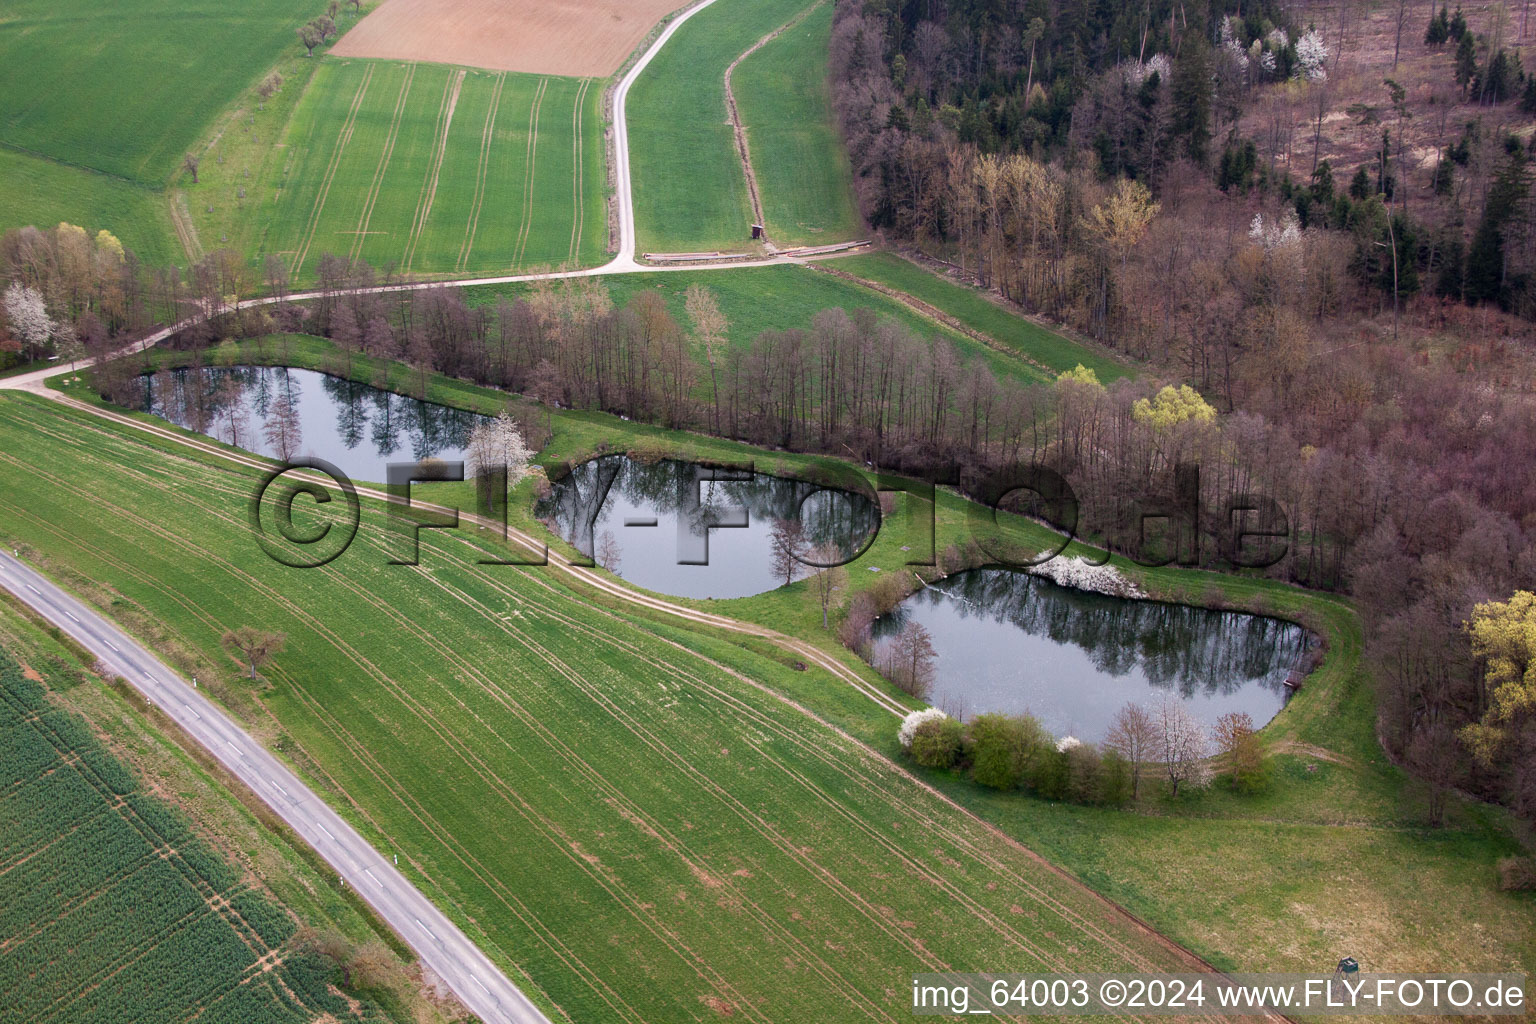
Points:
[(359, 429), (1012, 642), (689, 530)]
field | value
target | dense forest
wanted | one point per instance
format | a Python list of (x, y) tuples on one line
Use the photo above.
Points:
[(1317, 216)]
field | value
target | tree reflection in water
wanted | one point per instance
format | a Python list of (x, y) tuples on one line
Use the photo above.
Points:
[(710, 537), (1009, 641), (357, 427)]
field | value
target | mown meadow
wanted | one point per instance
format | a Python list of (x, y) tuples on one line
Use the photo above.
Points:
[(781, 298), (1048, 348), (627, 815), (690, 189), (803, 175)]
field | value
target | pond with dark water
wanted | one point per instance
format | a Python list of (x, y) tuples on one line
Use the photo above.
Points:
[(359, 429), (1013, 642), (691, 530)]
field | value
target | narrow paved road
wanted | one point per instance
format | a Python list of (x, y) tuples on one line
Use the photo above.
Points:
[(440, 944)]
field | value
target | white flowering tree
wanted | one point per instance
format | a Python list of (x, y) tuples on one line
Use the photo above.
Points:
[(494, 445), (1182, 744), (1311, 56), (914, 721), (28, 316)]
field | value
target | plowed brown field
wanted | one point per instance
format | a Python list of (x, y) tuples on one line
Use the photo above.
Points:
[(582, 38)]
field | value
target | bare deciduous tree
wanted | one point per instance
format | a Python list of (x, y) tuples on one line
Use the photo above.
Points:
[(253, 647), (608, 554), (189, 164), (310, 36), (1133, 735), (829, 580)]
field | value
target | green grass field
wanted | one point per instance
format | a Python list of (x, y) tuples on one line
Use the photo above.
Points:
[(43, 193), (489, 724), (1050, 349), (430, 170), (127, 88), (690, 190), (113, 908), (803, 175)]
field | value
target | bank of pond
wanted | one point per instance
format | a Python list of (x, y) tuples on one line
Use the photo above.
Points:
[(1003, 641)]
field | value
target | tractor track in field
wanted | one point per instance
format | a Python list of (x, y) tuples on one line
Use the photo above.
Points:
[(385, 155), (449, 103), (578, 162), (525, 227), (610, 588), (482, 173), (342, 138)]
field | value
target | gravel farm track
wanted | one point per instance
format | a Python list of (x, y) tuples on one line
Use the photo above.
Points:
[(623, 263)]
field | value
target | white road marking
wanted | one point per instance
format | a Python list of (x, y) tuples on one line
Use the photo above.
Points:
[(34, 590), (279, 786), (195, 715), (327, 831), (427, 930), (112, 645), (376, 881), (70, 614), (477, 982), (233, 746)]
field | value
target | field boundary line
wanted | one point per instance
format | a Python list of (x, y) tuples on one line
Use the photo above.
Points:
[(533, 152), (578, 162), (342, 138), (482, 172), (388, 152), (428, 196), (740, 129)]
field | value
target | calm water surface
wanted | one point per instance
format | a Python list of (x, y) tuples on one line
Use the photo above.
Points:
[(692, 531), (1012, 642), (358, 428)]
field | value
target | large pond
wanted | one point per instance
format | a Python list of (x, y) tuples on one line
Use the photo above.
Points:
[(690, 530), (358, 428), (1012, 642)]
